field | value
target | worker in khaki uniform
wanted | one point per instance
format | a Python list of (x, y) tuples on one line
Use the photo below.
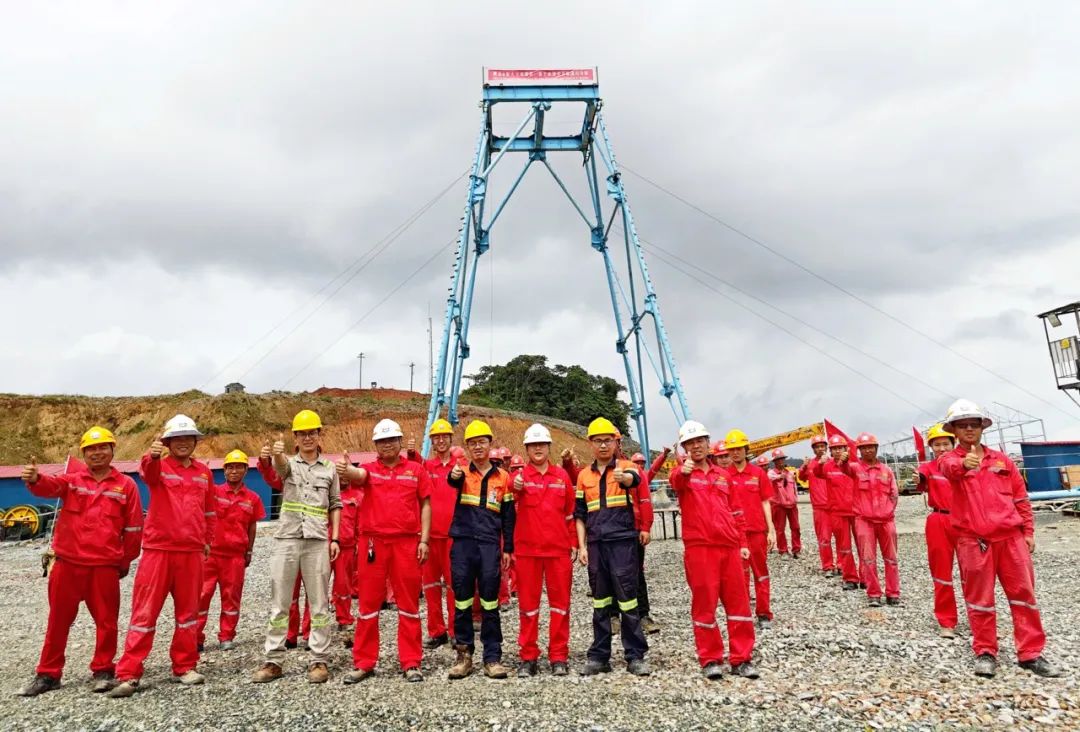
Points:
[(310, 494)]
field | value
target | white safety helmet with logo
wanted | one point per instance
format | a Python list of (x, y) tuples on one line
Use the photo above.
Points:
[(536, 433), (181, 426), (385, 430), (966, 409), (690, 430)]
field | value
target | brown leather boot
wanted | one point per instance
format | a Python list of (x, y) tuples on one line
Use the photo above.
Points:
[(318, 673), (267, 672), (463, 666), (495, 670)]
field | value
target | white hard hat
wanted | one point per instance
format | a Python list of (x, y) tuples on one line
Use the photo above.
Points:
[(385, 429), (181, 426), (690, 430), (535, 434), (966, 409)]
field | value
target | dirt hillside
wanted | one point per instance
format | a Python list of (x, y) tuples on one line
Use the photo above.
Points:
[(49, 427)]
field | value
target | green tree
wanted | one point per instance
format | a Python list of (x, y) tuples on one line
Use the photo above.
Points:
[(528, 384)]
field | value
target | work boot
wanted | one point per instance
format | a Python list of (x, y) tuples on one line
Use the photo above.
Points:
[(317, 673), (357, 675), (986, 666), (413, 675), (495, 670), (638, 667), (713, 671), (1041, 667), (649, 625), (559, 668), (191, 678), (764, 623), (103, 681), (592, 668), (851, 586), (200, 648), (875, 602), (266, 673), (463, 666), (290, 644), (944, 632), (794, 555), (436, 641), (828, 573), (226, 645), (746, 670), (785, 555), (837, 573), (862, 585), (124, 690), (892, 601), (40, 685), (528, 669)]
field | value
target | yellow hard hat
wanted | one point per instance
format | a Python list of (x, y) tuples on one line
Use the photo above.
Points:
[(96, 436), (736, 438), (478, 428), (236, 456), (937, 431), (601, 426), (306, 420), (441, 427)]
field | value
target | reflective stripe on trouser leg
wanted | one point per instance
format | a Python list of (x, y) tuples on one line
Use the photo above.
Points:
[(405, 579), (558, 578), (464, 573), (102, 600), (206, 593), (1017, 575), (371, 584), (148, 594), (435, 573), (186, 582), (70, 584), (758, 567), (703, 577), (488, 586), (284, 569), (613, 574), (866, 535), (940, 553), (977, 570), (232, 592), (530, 577)]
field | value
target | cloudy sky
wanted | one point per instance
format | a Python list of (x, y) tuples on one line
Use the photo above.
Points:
[(192, 194)]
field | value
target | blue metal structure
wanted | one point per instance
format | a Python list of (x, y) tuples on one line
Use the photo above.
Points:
[(638, 322), (1043, 462)]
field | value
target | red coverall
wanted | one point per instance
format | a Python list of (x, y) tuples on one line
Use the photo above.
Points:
[(819, 502), (991, 515), (436, 570), (750, 487), (876, 495), (179, 523), (841, 490), (237, 511), (714, 531), (98, 534), (940, 541), (343, 587), (785, 510), (543, 537), (390, 528)]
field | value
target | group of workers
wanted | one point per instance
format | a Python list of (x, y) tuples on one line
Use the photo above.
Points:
[(459, 521)]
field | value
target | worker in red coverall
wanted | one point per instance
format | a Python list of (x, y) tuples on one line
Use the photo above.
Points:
[(841, 490), (239, 509), (785, 506), (753, 494), (875, 499), (343, 584), (436, 570), (395, 535), (648, 623), (819, 502), (721, 454), (995, 537), (940, 537), (545, 547), (714, 549), (176, 542), (97, 535)]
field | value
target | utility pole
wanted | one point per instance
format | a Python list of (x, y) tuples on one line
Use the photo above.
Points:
[(412, 368), (431, 356), (360, 384)]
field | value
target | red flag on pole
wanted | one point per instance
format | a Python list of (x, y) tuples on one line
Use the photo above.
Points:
[(73, 465), (920, 444), (831, 429)]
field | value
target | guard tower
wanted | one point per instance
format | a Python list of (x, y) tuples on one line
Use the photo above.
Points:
[(1062, 328), (639, 327)]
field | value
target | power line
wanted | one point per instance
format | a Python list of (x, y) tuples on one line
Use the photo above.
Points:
[(842, 289), (663, 258), (394, 232), (371, 310)]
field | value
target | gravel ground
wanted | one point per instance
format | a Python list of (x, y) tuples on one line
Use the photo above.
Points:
[(830, 662)]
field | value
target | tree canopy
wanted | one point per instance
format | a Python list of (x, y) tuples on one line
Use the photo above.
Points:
[(528, 384)]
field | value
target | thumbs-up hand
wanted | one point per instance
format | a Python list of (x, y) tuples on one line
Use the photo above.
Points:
[(565, 454), (687, 466), (30, 473), (264, 454), (342, 466), (519, 482), (457, 472), (411, 444), (971, 460), (619, 475), (279, 445), (157, 448)]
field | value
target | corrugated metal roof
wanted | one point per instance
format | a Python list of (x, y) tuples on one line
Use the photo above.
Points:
[(132, 466)]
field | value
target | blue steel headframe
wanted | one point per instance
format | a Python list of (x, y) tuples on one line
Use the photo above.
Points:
[(637, 299)]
